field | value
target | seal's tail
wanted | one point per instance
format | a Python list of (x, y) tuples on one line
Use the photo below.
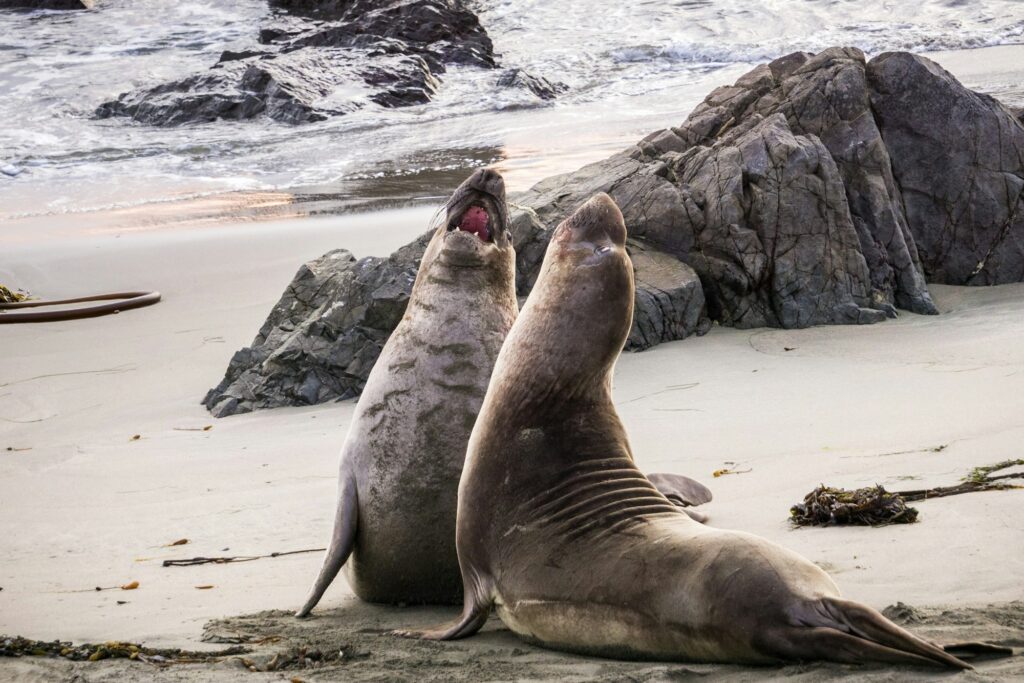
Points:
[(839, 630), (342, 538)]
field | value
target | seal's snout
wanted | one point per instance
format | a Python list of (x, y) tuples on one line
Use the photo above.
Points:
[(488, 181), (597, 220), (477, 207)]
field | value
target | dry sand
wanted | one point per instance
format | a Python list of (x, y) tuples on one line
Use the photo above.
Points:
[(907, 403)]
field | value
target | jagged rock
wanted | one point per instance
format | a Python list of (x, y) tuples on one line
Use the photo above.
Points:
[(760, 215), (772, 235), (389, 53), (293, 87), (826, 95), (958, 157), (538, 85), (47, 4), (446, 29), (324, 335)]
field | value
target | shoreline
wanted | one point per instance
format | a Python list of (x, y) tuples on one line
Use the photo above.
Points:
[(537, 151)]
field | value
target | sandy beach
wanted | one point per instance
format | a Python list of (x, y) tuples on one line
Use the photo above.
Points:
[(107, 457)]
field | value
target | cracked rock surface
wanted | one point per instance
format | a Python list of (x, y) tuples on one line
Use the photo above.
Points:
[(958, 157), (817, 189), (760, 215), (323, 336), (322, 59)]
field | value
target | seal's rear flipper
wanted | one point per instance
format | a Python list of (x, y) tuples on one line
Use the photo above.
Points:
[(342, 538), (978, 650), (843, 631), (682, 491), (829, 644)]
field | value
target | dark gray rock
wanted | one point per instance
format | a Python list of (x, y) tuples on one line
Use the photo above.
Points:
[(47, 4), (292, 87), (389, 53), (760, 215), (958, 157), (541, 87), (826, 95), (321, 9), (323, 336), (772, 235), (440, 31)]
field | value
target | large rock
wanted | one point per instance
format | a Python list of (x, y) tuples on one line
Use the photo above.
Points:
[(760, 215), (826, 95), (772, 235), (331, 63), (323, 336), (293, 87), (958, 157)]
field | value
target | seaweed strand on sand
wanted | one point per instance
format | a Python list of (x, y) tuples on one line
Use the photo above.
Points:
[(874, 506)]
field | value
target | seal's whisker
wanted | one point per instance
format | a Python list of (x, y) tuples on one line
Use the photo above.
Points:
[(439, 216)]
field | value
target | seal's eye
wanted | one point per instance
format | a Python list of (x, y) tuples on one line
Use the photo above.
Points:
[(508, 236), (603, 250)]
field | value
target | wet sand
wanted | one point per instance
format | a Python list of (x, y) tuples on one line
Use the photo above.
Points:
[(909, 403)]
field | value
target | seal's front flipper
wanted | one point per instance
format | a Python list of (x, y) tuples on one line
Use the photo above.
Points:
[(699, 517), (682, 491), (342, 538)]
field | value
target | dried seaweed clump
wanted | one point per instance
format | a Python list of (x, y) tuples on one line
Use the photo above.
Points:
[(9, 297), (871, 506)]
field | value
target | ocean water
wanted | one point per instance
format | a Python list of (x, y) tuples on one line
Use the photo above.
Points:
[(631, 68)]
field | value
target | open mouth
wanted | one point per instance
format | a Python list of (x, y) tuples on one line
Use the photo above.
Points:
[(475, 220)]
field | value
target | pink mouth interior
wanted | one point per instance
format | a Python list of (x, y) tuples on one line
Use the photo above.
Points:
[(476, 221)]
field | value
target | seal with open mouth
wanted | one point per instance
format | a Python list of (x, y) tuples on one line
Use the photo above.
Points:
[(401, 461), (577, 550)]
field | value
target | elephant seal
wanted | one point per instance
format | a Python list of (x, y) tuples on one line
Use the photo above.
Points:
[(577, 550), (401, 460)]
